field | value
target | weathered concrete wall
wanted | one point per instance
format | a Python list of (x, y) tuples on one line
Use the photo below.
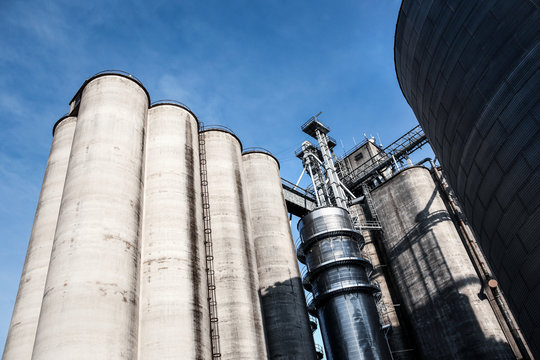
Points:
[(287, 327), (441, 291), (238, 305), (90, 302), (22, 330), (173, 310)]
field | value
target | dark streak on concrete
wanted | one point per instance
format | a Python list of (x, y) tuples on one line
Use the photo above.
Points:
[(253, 288), (193, 240)]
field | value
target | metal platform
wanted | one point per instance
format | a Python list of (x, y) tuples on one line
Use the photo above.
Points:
[(299, 201)]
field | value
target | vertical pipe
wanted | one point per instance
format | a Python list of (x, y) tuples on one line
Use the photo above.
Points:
[(22, 330), (500, 309), (238, 305), (339, 196), (434, 273), (286, 321), (173, 314), (89, 308)]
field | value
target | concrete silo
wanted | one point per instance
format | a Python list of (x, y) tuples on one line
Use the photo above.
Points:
[(22, 330), (241, 332), (441, 292), (90, 303), (287, 326), (173, 307)]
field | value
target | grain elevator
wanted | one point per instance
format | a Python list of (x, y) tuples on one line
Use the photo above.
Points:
[(157, 237)]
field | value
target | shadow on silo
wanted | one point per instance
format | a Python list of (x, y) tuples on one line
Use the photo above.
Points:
[(286, 321), (443, 320)]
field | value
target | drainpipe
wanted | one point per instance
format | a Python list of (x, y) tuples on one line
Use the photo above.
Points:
[(490, 285)]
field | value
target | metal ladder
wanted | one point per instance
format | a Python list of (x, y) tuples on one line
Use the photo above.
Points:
[(212, 303), (375, 224)]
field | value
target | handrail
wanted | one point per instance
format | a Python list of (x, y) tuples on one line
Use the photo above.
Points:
[(217, 127), (118, 72), (257, 149), (297, 188), (170, 101), (110, 72), (313, 118)]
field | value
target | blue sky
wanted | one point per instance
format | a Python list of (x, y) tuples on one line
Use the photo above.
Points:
[(261, 68)]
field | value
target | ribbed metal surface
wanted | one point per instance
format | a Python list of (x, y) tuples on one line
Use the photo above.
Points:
[(22, 330), (341, 316), (238, 304), (287, 328), (470, 71), (391, 314), (433, 272), (89, 308), (173, 313), (342, 293)]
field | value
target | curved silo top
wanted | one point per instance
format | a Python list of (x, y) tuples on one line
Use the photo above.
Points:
[(76, 98), (224, 129), (64, 117), (260, 150), (177, 104)]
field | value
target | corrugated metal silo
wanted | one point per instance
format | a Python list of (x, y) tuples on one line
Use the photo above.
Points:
[(22, 330), (286, 322), (89, 308), (173, 315), (342, 291), (239, 313), (397, 336), (441, 291)]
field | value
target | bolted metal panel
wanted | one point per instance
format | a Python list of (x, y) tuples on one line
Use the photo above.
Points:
[(337, 274), (173, 314), (238, 304), (89, 308), (286, 320), (441, 290), (24, 321)]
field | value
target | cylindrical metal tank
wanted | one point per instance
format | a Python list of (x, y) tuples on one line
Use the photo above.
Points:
[(287, 326), (441, 291), (24, 321), (398, 339), (173, 314), (241, 331), (342, 293), (90, 303)]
